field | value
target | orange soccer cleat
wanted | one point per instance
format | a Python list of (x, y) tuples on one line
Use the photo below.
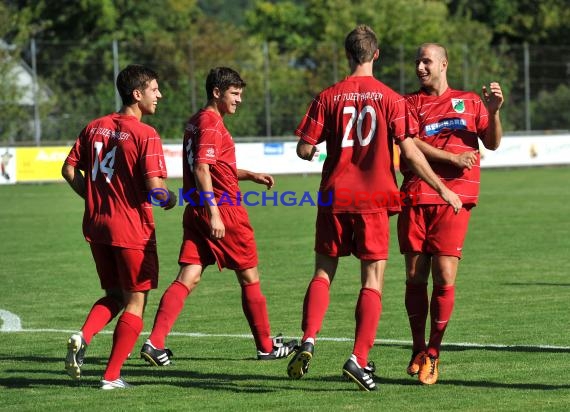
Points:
[(429, 373), (415, 363)]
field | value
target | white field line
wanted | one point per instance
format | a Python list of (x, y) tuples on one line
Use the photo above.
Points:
[(323, 338), (12, 323)]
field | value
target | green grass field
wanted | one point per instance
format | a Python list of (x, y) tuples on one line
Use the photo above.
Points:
[(507, 347)]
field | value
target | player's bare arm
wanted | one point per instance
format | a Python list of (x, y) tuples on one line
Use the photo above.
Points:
[(420, 166), (493, 98), (459, 160), (259, 178), (74, 178), (204, 185), (306, 151), (163, 194)]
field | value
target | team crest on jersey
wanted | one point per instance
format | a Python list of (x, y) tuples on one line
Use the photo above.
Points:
[(210, 152), (458, 105)]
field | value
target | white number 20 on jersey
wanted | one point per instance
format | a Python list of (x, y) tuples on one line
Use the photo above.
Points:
[(105, 165), (358, 118)]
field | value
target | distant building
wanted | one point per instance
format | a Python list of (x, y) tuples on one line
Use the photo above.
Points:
[(22, 76)]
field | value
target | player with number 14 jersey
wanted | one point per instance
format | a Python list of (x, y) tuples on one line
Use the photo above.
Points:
[(121, 149)]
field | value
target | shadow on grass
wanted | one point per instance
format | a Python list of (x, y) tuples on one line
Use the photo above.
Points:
[(458, 347), (477, 384), (237, 383), (143, 375), (45, 359), (535, 284), (164, 376)]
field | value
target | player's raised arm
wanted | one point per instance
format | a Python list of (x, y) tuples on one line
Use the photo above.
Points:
[(494, 99)]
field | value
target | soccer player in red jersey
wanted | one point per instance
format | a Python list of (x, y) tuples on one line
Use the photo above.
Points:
[(115, 164), (216, 225), (359, 118), (447, 124)]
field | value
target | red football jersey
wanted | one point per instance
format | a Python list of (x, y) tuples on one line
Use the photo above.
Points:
[(206, 140), (118, 153), (359, 118), (452, 122)]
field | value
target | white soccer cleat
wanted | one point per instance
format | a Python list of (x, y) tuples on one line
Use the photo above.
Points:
[(281, 349), (116, 384), (75, 354)]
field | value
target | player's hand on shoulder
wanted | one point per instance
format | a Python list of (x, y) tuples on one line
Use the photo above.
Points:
[(493, 97)]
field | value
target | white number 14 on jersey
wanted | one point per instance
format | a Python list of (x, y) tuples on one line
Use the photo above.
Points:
[(105, 165)]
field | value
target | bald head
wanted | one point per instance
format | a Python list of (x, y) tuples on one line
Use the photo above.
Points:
[(435, 49), (431, 68)]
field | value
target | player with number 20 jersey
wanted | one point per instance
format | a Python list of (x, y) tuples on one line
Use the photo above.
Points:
[(360, 119), (367, 117)]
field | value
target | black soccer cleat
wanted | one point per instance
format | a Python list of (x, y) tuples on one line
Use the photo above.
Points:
[(363, 377), (299, 365), (281, 349), (154, 356)]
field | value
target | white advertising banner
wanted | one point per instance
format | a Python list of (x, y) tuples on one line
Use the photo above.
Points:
[(533, 150), (281, 157), (27, 164), (271, 157)]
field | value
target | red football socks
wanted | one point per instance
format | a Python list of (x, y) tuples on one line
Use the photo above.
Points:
[(127, 331), (367, 314), (315, 307), (441, 307), (417, 306), (255, 309), (102, 312), (171, 304)]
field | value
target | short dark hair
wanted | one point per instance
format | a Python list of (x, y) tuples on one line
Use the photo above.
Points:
[(361, 44), (222, 78), (131, 78)]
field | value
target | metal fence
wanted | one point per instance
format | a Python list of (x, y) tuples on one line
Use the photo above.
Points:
[(536, 81)]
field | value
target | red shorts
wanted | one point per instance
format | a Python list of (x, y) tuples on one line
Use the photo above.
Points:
[(366, 236), (433, 230), (236, 250), (133, 270)]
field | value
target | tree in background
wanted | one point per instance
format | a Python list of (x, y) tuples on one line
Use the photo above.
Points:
[(16, 114), (543, 25), (286, 51), (307, 46), (174, 37), (551, 109)]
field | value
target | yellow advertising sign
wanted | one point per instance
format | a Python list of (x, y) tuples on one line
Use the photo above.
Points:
[(37, 164)]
